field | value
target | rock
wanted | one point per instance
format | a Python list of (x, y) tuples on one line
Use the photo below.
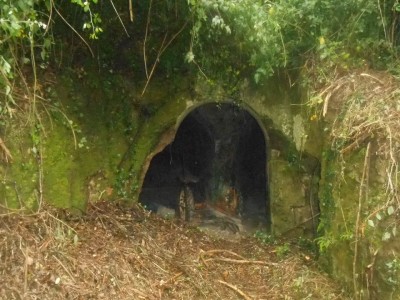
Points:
[(166, 212)]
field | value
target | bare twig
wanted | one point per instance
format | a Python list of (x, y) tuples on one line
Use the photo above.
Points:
[(370, 270), (72, 28), (40, 171), (70, 126), (26, 266), (373, 77), (131, 10), (163, 47), (65, 268), (243, 262), (312, 218), (145, 39), (328, 96), (201, 71), (383, 20), (141, 294), (49, 20), (7, 154), (212, 252), (362, 192), (119, 18), (62, 222), (236, 289), (172, 279), (354, 145)]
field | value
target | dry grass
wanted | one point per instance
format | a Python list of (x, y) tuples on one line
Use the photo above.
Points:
[(365, 107), (115, 253), (369, 107)]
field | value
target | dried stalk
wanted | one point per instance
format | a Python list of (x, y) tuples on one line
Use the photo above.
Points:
[(172, 279), (163, 47), (243, 262), (212, 252), (65, 268), (145, 39), (237, 290), (72, 28), (119, 18), (7, 154), (363, 191), (354, 145), (131, 10)]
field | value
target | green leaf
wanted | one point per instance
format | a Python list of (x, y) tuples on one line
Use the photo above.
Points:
[(386, 236), (48, 4), (79, 2), (378, 216), (371, 223), (189, 57), (15, 26), (43, 54), (6, 66), (390, 210), (47, 43), (8, 90)]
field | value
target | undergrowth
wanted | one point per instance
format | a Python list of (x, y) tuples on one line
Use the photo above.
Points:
[(363, 109)]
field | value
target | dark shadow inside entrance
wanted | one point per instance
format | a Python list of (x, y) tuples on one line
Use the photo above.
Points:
[(219, 151)]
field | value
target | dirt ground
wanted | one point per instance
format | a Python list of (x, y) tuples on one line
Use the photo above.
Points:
[(118, 253)]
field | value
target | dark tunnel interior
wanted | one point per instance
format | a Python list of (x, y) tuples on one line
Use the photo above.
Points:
[(219, 151)]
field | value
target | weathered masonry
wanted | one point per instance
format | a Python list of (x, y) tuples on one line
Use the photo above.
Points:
[(260, 150), (222, 151), (252, 153)]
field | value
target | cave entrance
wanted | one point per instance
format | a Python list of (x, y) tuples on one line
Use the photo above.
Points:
[(219, 153)]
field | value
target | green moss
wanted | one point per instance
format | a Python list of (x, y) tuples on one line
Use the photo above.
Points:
[(327, 183), (59, 165), (88, 137), (282, 175), (82, 130), (339, 203), (19, 179), (148, 138)]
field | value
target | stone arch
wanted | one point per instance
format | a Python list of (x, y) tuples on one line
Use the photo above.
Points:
[(223, 150)]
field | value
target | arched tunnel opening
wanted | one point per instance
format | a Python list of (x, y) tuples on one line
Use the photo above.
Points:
[(220, 153)]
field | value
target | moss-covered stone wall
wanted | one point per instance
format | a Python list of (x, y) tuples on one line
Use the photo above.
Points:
[(97, 134), (287, 130), (19, 174), (358, 225), (68, 154)]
